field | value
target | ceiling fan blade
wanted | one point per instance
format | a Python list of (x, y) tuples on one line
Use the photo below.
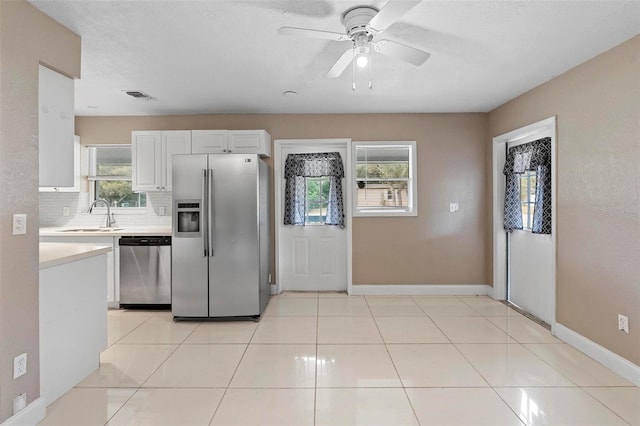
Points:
[(341, 64), (390, 13), (402, 51), (306, 32)]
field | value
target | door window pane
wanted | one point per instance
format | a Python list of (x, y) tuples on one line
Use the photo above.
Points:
[(527, 197), (317, 197)]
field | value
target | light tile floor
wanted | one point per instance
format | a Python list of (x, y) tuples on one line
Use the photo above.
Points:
[(332, 359)]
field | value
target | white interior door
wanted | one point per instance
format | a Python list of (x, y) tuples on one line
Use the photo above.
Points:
[(530, 265), (312, 257)]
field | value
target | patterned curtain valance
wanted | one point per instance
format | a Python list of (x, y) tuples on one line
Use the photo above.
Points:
[(528, 156), (314, 165), (535, 156)]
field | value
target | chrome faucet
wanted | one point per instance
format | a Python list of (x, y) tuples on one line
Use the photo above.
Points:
[(110, 219)]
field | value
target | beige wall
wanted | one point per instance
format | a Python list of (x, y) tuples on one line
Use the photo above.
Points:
[(436, 247), (27, 38), (597, 106)]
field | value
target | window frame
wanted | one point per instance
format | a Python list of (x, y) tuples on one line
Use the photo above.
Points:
[(92, 179), (412, 191)]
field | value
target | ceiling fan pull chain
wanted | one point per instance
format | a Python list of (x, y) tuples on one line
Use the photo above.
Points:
[(370, 68), (353, 66)]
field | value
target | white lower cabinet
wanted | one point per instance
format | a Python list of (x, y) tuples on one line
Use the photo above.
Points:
[(113, 261), (73, 323)]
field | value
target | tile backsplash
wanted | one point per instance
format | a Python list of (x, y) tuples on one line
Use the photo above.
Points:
[(52, 206)]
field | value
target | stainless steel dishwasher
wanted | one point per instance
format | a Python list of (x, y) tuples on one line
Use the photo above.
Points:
[(145, 272)]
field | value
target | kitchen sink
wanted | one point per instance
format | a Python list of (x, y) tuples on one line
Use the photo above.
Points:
[(90, 229)]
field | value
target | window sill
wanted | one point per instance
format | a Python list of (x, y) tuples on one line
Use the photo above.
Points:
[(384, 213)]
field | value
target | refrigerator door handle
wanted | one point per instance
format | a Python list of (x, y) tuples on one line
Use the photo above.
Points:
[(210, 235), (203, 208)]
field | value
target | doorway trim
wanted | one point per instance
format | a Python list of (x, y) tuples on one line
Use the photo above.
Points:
[(499, 242), (323, 144)]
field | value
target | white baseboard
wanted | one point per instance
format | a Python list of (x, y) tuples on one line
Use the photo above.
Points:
[(422, 290), (30, 415), (604, 356)]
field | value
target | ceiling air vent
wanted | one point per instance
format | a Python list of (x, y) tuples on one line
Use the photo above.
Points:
[(139, 95)]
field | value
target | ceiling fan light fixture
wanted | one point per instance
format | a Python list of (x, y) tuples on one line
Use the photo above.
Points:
[(362, 50), (362, 55)]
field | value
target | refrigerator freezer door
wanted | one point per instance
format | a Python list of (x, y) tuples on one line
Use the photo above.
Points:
[(234, 265), (189, 260)]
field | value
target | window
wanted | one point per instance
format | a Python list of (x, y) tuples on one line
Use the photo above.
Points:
[(385, 179), (313, 189), (316, 200), (527, 197), (110, 176)]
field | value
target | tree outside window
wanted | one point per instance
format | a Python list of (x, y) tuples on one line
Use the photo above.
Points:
[(317, 200), (111, 176)]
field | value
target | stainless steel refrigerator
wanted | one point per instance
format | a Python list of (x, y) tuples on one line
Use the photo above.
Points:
[(220, 236)]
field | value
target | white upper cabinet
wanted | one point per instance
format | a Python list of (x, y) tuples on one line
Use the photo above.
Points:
[(56, 129), (151, 153), (76, 172), (250, 142), (209, 141), (146, 157), (173, 142), (231, 141)]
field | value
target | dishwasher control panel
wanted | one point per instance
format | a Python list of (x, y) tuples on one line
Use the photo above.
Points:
[(145, 241)]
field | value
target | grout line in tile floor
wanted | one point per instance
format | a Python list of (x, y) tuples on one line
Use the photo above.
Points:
[(315, 378)]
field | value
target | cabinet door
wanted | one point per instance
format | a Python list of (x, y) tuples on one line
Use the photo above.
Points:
[(250, 142), (209, 141), (173, 142), (55, 124), (146, 159), (76, 172)]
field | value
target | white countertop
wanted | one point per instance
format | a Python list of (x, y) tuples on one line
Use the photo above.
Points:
[(95, 231), (53, 254)]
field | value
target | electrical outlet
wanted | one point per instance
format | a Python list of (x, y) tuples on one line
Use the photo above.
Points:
[(623, 323), (453, 207), (19, 224), (19, 402), (161, 210), (19, 365), (65, 211)]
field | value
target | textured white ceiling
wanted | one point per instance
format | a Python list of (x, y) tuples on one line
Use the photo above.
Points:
[(216, 56)]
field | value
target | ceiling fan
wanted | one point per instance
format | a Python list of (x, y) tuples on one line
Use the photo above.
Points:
[(362, 25)]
